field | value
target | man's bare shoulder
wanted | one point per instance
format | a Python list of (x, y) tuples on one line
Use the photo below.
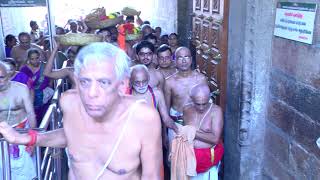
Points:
[(216, 109), (172, 79), (14, 48), (198, 75), (146, 114), (158, 73), (69, 98), (70, 94), (188, 108), (154, 72)]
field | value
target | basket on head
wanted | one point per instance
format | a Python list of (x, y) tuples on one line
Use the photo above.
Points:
[(99, 24), (78, 39), (127, 11), (98, 19)]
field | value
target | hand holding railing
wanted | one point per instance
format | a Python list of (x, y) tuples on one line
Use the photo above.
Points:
[(11, 136)]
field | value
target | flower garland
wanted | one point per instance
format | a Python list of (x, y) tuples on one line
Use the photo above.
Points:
[(125, 30), (110, 16)]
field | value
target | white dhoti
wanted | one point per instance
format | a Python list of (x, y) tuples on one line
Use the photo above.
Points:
[(23, 166), (211, 174)]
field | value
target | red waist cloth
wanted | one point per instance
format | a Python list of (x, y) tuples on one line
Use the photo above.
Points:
[(204, 158)]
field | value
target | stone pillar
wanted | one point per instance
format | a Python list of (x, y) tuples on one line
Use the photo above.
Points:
[(250, 52), (185, 8), (184, 22)]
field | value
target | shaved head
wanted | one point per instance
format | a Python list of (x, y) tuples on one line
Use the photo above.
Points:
[(200, 95), (183, 59), (200, 90), (184, 49)]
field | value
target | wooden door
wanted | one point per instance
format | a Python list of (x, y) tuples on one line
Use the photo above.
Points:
[(209, 27)]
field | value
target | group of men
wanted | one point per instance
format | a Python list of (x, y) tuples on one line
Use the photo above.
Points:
[(133, 105)]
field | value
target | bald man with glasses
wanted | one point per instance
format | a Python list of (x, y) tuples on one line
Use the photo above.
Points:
[(177, 88)]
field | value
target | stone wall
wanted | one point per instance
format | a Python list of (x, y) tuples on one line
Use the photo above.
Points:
[(273, 98), (293, 123)]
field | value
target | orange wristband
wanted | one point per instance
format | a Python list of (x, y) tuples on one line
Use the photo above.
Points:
[(33, 135)]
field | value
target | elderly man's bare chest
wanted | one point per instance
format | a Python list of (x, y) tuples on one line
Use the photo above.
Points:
[(89, 146), (202, 121), (9, 100), (181, 87)]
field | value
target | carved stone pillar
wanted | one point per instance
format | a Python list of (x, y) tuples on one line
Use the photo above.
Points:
[(250, 53)]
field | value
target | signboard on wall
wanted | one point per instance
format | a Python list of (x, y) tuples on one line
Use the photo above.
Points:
[(22, 3), (295, 21)]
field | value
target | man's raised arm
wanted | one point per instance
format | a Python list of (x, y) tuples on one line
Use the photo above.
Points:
[(56, 73)]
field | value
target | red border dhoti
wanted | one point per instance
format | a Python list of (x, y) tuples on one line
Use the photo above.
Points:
[(208, 157)]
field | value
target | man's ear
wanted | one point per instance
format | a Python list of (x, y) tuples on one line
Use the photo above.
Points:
[(124, 86)]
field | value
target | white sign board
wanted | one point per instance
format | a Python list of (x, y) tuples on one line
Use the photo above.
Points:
[(295, 21)]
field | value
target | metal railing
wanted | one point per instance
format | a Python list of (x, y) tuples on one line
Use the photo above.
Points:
[(5, 156), (51, 161), (49, 166)]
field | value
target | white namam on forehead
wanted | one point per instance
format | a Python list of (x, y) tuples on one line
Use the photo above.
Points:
[(101, 52)]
